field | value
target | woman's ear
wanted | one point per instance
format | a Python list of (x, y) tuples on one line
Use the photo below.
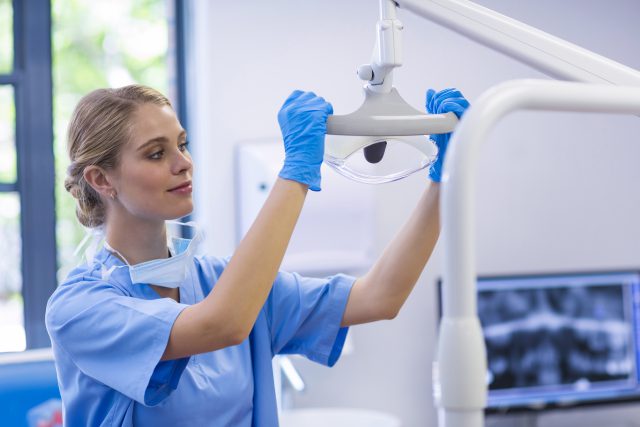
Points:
[(97, 178)]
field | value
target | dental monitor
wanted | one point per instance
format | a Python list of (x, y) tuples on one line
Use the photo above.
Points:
[(560, 340)]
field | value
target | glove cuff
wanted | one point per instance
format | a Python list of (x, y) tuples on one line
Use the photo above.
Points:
[(304, 174), (435, 170)]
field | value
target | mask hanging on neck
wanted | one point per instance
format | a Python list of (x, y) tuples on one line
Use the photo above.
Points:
[(167, 272)]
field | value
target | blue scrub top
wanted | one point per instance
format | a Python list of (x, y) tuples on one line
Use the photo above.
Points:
[(108, 336)]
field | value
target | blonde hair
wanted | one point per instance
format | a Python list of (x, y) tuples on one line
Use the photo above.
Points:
[(99, 128)]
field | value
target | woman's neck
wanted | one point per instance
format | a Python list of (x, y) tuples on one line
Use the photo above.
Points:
[(137, 240)]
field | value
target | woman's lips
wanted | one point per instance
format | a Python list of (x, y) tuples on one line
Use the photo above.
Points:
[(185, 188)]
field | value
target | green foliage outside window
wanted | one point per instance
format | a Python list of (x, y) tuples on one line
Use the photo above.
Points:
[(94, 44), (99, 44), (6, 37)]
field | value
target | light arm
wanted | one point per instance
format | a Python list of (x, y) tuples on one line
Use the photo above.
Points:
[(542, 51)]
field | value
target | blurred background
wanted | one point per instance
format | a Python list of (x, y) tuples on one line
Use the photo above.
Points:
[(555, 192)]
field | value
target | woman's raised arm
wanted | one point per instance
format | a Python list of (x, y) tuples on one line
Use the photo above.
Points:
[(226, 316)]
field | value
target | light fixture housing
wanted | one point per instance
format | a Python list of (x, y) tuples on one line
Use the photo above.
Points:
[(384, 140)]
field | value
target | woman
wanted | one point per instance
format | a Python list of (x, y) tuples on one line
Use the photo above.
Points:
[(146, 334)]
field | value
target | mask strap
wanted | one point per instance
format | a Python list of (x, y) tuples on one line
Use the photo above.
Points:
[(90, 243), (115, 252), (106, 272)]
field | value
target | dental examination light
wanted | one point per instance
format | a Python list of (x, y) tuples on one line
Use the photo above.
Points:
[(386, 139), (460, 372)]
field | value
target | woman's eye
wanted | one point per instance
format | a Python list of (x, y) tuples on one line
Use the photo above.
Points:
[(157, 155), (184, 146)]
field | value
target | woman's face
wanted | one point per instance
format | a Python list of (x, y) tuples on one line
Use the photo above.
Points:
[(153, 179)]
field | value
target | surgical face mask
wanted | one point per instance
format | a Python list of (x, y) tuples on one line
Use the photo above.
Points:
[(169, 272)]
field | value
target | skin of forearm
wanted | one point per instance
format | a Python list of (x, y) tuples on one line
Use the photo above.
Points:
[(225, 317), (381, 292)]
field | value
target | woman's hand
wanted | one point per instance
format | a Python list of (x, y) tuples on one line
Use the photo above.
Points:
[(446, 101), (303, 122)]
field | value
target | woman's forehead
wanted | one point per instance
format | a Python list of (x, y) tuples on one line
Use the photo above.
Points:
[(152, 121)]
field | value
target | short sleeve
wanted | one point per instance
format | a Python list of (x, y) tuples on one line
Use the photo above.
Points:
[(305, 314), (116, 339)]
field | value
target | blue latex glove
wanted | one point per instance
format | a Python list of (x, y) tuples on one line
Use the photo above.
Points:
[(445, 101), (303, 122)]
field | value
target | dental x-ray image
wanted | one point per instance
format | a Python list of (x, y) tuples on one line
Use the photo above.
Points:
[(550, 336)]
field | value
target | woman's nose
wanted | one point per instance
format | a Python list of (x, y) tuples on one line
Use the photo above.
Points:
[(183, 162)]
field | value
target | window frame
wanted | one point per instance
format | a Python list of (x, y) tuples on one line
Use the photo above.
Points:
[(31, 78)]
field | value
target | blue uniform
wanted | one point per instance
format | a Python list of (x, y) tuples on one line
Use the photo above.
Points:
[(108, 337)]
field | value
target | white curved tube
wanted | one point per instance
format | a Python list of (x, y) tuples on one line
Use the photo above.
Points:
[(460, 377), (549, 54)]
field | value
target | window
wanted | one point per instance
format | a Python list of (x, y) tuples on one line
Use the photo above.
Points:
[(26, 173), (6, 36), (52, 52), (100, 44)]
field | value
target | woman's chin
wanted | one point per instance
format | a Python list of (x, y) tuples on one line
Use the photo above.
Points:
[(182, 212)]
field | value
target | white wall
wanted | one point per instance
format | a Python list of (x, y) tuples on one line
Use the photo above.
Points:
[(555, 192)]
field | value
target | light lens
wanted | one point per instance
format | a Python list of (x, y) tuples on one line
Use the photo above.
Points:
[(401, 159)]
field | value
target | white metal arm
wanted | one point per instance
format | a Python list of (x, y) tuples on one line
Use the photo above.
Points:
[(544, 52), (387, 53), (460, 377)]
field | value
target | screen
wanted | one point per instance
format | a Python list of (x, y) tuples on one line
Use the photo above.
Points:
[(560, 340)]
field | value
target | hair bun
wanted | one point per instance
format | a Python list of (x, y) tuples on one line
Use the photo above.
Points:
[(71, 185)]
